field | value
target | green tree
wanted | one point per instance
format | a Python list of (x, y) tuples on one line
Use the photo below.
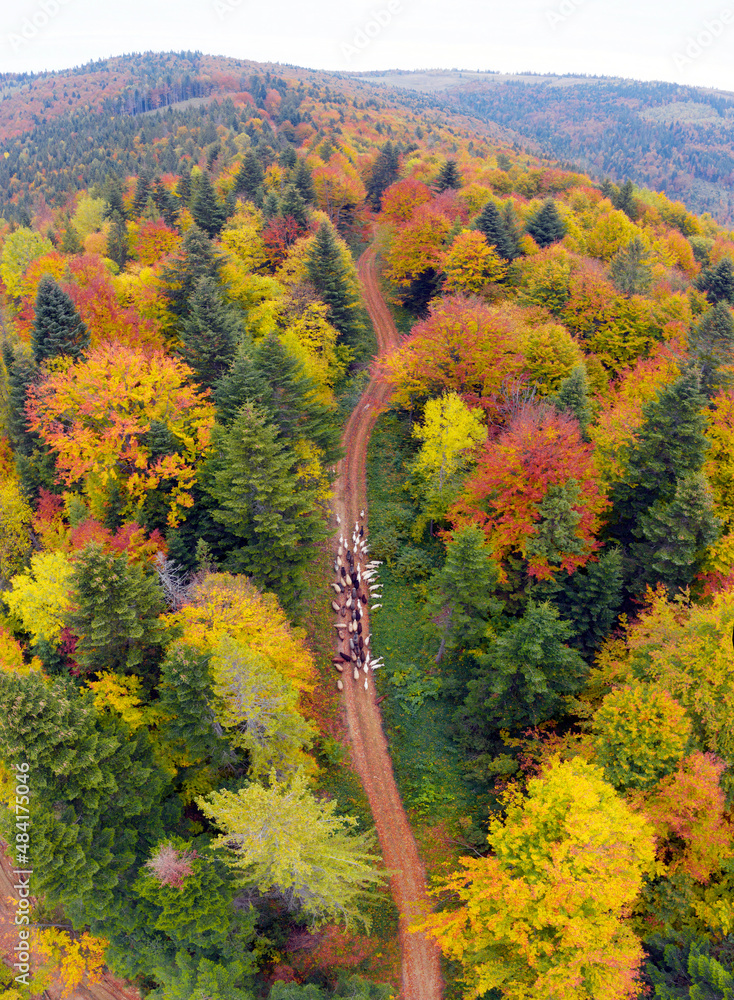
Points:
[(118, 244), (573, 397), (449, 176), (711, 346), (669, 448), (328, 273), (250, 176), (142, 193), (208, 213), (209, 333), (461, 593), (113, 198), (630, 269), (57, 326), (623, 199), (282, 840), (675, 534), (689, 966), (382, 173), (491, 225), (304, 182), (269, 376), (717, 281), (264, 503), (546, 226), (293, 205), (116, 616), (197, 259), (523, 676)]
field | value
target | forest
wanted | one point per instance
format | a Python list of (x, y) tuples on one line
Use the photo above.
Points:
[(193, 268)]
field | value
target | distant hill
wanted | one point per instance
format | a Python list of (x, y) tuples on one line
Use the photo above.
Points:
[(674, 139)]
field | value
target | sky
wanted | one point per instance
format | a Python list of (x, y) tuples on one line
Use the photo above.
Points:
[(668, 40)]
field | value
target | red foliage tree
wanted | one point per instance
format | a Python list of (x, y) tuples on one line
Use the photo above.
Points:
[(536, 494)]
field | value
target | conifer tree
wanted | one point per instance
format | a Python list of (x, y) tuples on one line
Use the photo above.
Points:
[(198, 259), (546, 226), (448, 177), (630, 269), (208, 335), (489, 222), (293, 205), (208, 214), (112, 193), (165, 203), (623, 199), (57, 326), (142, 193), (304, 182), (117, 605), (717, 281), (711, 345), (70, 240), (383, 173), (263, 503), (118, 247), (573, 397), (330, 279), (250, 176)]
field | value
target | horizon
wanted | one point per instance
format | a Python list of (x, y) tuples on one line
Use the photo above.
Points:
[(658, 43)]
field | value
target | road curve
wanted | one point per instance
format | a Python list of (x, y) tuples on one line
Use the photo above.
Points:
[(421, 969)]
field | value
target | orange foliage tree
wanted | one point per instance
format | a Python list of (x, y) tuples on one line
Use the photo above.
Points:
[(400, 200), (97, 414)]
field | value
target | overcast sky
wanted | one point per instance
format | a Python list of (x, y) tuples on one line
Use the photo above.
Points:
[(668, 40)]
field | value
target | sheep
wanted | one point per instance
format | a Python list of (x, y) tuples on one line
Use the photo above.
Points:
[(361, 513), (376, 606), (359, 628), (356, 674), (340, 626), (338, 519), (366, 685), (366, 641), (347, 659), (339, 685), (343, 572), (335, 606), (336, 588), (338, 666), (361, 641)]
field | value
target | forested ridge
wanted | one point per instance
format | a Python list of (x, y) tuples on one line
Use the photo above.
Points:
[(550, 500)]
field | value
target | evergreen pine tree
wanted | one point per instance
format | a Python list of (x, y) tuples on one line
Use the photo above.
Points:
[(711, 346), (330, 279), (57, 326), (546, 226), (623, 199), (183, 186), (630, 270), (264, 503), (116, 616), (209, 333), (250, 176), (70, 240), (489, 222), (164, 202), (294, 206), (208, 214), (513, 228), (448, 177), (384, 172), (112, 194), (304, 182), (198, 259), (717, 281), (573, 397), (118, 247), (270, 206), (142, 193), (22, 373)]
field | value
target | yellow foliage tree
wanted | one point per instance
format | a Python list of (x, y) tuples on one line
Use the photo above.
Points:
[(223, 604), (15, 521), (41, 599), (68, 960), (121, 695), (470, 263), (544, 915), (549, 356)]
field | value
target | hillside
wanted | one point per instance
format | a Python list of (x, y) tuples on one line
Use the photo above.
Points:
[(674, 139), (366, 549)]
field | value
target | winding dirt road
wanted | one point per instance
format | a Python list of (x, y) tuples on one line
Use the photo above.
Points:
[(421, 970)]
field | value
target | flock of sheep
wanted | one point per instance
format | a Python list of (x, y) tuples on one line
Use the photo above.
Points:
[(355, 580)]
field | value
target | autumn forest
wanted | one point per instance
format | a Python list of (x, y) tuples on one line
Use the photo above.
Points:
[(237, 299)]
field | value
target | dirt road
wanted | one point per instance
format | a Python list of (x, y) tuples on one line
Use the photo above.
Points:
[(421, 972)]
